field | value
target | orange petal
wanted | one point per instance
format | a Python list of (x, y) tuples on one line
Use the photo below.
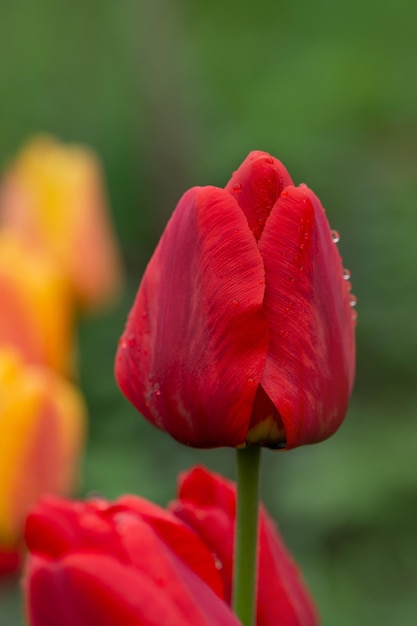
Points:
[(42, 430)]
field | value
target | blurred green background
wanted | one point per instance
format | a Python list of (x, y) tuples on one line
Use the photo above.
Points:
[(173, 94)]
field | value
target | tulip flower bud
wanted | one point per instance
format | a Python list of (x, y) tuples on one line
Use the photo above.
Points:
[(42, 424), (35, 314), (53, 195), (242, 330)]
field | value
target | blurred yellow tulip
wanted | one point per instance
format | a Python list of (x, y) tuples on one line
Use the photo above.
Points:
[(36, 315), (54, 195), (42, 431)]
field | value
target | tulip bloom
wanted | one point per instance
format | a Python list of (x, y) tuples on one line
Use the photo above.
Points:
[(130, 563), (53, 196), (35, 313), (42, 422), (207, 503), (242, 329)]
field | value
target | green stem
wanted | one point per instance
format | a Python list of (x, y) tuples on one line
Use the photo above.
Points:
[(245, 568)]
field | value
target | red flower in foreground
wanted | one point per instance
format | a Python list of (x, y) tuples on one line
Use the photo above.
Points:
[(242, 330), (132, 563), (207, 503)]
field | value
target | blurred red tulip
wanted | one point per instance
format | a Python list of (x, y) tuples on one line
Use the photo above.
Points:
[(42, 423), (130, 564), (207, 503), (36, 315), (9, 561), (242, 330), (53, 196)]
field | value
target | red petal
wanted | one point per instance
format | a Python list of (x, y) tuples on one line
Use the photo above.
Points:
[(196, 340), (207, 503), (57, 527), (204, 488), (85, 589), (310, 365), (287, 601), (257, 185), (9, 561), (177, 536)]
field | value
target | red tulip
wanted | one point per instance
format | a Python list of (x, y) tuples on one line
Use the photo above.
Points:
[(242, 330), (207, 503), (130, 564)]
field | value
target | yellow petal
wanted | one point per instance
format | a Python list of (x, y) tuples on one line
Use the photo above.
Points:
[(54, 194), (42, 432), (36, 314)]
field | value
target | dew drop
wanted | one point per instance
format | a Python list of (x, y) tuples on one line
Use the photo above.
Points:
[(302, 246), (292, 280), (123, 343), (235, 303), (335, 236), (353, 300), (217, 563), (284, 193), (306, 235), (346, 273), (301, 268), (131, 341), (156, 389), (237, 187), (251, 381), (261, 281)]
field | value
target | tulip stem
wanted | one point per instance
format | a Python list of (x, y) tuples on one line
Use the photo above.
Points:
[(246, 541)]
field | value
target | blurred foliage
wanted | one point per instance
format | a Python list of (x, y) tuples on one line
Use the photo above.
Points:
[(176, 94)]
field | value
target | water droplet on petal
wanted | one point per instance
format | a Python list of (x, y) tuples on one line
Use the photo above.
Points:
[(301, 268), (131, 341), (251, 381), (354, 316), (261, 282), (353, 300), (217, 563), (237, 187), (306, 235), (302, 246), (235, 303), (284, 193), (335, 236), (123, 343), (156, 389), (346, 273)]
